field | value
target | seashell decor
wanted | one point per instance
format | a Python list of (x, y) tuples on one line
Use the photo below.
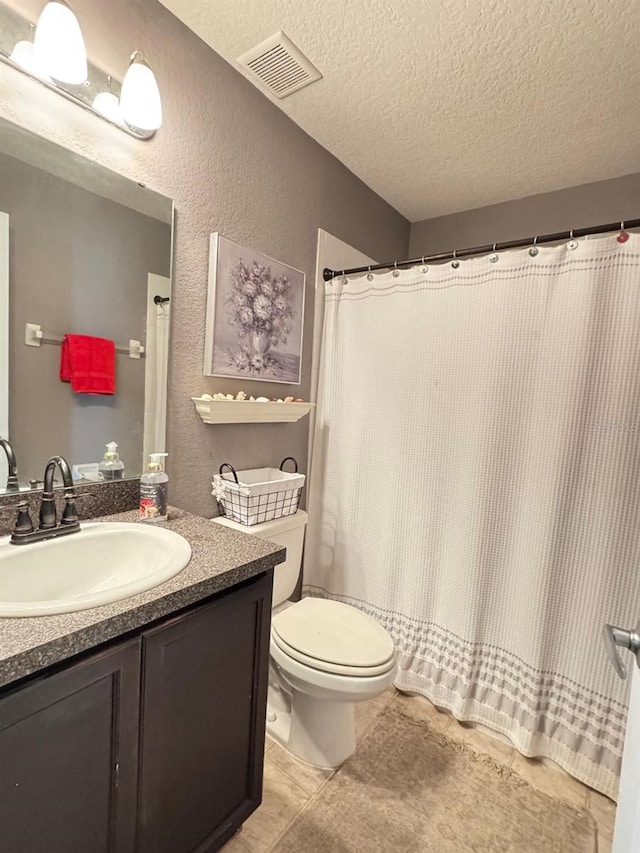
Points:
[(227, 409), (241, 396)]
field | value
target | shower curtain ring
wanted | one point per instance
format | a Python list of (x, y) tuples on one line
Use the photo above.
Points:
[(623, 236), (572, 244), (455, 263), (533, 251), (396, 271), (493, 257), (344, 279), (369, 275), (425, 268)]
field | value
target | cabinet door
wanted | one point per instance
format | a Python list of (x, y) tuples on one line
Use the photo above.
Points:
[(203, 718), (68, 758)]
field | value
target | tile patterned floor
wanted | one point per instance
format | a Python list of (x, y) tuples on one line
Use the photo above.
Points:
[(290, 785)]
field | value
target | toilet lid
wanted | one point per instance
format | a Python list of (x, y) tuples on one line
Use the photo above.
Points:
[(334, 636)]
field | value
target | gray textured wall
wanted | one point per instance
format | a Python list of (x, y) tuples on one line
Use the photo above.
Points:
[(233, 163), (79, 264), (548, 213)]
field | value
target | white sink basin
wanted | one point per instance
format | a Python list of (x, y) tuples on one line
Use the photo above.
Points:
[(105, 562)]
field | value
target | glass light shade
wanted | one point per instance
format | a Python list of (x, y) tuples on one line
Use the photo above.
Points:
[(23, 54), (108, 105), (59, 46), (140, 97)]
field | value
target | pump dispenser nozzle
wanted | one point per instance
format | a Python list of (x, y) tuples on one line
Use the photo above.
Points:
[(111, 467), (156, 461)]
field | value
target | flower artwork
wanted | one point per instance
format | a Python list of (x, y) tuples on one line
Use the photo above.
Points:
[(261, 310), (255, 309)]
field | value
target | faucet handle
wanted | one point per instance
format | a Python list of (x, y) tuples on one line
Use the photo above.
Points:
[(70, 514), (71, 497), (23, 522)]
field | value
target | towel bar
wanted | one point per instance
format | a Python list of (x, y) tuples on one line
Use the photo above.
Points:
[(34, 337)]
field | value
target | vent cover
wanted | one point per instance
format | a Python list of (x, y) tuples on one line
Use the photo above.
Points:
[(279, 65)]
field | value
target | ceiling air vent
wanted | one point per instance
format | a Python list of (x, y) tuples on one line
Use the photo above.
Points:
[(279, 65)]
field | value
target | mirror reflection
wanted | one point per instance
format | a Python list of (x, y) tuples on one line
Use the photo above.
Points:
[(85, 302)]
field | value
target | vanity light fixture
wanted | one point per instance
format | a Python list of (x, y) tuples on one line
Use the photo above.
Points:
[(108, 105), (140, 97), (59, 45), (55, 56), (24, 55)]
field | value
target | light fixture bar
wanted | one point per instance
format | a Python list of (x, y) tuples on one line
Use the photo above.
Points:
[(14, 28)]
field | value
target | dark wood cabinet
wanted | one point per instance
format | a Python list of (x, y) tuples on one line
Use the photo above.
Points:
[(151, 745), (203, 722), (68, 758)]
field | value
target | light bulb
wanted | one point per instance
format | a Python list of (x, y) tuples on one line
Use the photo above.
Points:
[(140, 97), (108, 105), (59, 46), (23, 54)]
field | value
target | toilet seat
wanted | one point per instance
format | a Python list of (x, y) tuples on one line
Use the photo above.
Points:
[(333, 637)]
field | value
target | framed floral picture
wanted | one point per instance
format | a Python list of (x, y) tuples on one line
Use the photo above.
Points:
[(255, 312)]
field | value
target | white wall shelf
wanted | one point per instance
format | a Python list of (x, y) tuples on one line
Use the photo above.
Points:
[(246, 412)]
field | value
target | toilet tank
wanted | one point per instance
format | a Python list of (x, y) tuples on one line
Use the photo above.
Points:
[(287, 532)]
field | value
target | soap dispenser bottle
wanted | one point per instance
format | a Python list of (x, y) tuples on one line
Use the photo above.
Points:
[(153, 490), (111, 467)]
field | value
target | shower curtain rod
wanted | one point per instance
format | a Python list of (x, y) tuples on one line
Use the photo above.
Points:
[(328, 274)]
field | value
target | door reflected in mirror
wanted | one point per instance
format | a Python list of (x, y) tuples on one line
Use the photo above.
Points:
[(85, 259)]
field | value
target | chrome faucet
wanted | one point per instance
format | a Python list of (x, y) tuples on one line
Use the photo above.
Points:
[(49, 528), (12, 479)]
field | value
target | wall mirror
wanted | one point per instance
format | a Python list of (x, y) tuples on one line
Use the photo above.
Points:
[(83, 251)]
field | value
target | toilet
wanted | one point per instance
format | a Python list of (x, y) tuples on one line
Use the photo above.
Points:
[(324, 657)]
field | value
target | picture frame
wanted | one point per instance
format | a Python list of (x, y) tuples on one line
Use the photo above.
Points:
[(255, 315)]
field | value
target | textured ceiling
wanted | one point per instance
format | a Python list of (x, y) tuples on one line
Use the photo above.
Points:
[(452, 104)]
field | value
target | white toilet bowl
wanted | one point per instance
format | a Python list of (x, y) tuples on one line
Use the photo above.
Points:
[(325, 656)]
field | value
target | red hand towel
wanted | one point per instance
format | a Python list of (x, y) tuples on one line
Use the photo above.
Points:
[(89, 364)]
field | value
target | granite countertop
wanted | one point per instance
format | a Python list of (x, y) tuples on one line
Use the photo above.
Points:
[(220, 558)]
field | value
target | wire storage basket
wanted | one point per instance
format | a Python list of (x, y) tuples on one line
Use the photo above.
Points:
[(258, 494)]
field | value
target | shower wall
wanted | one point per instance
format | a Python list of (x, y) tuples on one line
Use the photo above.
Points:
[(576, 207)]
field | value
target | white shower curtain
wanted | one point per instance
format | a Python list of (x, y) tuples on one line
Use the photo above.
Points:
[(475, 485)]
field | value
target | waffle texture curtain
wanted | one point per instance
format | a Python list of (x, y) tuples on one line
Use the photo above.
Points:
[(475, 485)]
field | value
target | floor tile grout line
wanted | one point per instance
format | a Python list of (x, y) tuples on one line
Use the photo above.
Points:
[(237, 836), (282, 772), (241, 840), (303, 809), (291, 778), (366, 729)]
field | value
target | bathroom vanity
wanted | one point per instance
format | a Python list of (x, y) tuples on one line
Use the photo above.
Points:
[(138, 727)]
